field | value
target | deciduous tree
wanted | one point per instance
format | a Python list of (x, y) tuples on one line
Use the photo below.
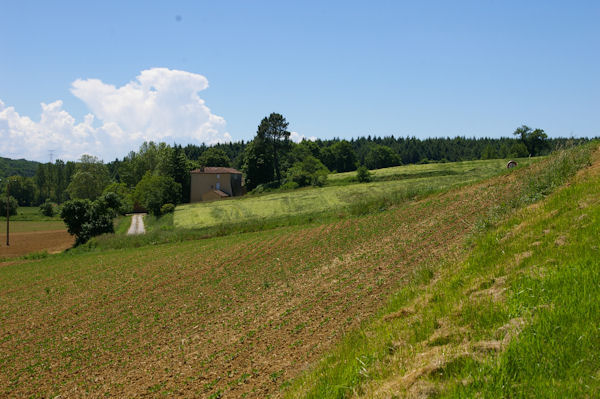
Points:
[(90, 178), (534, 140), (86, 219), (258, 163), (309, 171), (13, 205), (344, 155), (381, 156), (153, 191), (214, 157)]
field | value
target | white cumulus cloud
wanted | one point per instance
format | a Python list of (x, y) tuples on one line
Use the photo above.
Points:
[(21, 137), (297, 137), (159, 105)]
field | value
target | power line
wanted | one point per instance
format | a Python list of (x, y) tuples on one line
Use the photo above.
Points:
[(51, 154)]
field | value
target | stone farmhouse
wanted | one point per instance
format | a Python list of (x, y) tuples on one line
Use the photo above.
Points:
[(214, 183)]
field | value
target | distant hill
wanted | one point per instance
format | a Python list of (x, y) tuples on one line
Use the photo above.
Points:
[(20, 167)]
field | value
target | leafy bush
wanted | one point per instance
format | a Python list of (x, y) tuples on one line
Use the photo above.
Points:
[(124, 194), (290, 185), (75, 215), (363, 175), (153, 191), (109, 202), (86, 219), (167, 208), (13, 205), (266, 187), (517, 150), (89, 179), (381, 156), (214, 157), (47, 208), (309, 171), (23, 189)]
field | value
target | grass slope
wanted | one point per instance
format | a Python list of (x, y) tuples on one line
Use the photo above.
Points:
[(486, 167), (517, 318), (29, 218), (31, 214), (21, 226), (240, 315), (236, 315), (403, 183)]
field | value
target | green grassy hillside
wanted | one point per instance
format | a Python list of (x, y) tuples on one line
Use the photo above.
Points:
[(486, 167), (245, 315), (517, 318), (402, 183)]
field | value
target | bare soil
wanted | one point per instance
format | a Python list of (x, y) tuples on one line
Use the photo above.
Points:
[(23, 243), (227, 317)]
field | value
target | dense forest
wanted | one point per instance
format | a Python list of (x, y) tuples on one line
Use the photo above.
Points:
[(17, 167), (158, 173)]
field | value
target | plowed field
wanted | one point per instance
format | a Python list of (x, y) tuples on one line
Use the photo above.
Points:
[(25, 242), (223, 317)]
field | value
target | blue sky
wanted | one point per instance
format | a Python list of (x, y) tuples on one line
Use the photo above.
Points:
[(333, 69)]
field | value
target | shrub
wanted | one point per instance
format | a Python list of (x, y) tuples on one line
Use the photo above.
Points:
[(86, 219), (124, 194), (214, 157), (153, 191), (363, 175), (75, 215), (109, 202), (309, 171), (381, 156), (290, 185), (13, 205), (167, 208), (47, 208), (517, 150)]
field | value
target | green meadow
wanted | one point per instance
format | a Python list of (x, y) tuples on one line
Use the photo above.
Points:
[(517, 317), (391, 185), (29, 218), (489, 287), (31, 214), (485, 167)]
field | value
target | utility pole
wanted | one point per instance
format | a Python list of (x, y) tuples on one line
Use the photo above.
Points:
[(7, 211)]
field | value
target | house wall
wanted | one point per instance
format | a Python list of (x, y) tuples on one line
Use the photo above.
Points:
[(211, 196), (204, 182), (236, 185)]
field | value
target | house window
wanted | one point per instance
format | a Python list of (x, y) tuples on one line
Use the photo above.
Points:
[(218, 186), (218, 176)]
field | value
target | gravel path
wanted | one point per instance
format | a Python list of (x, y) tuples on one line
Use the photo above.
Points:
[(137, 224)]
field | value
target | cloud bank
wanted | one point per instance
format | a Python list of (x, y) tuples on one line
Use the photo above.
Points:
[(159, 105)]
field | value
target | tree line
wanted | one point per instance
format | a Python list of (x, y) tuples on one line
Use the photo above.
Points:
[(17, 167), (158, 173)]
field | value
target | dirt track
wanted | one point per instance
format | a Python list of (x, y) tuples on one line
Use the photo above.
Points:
[(35, 241), (137, 224)]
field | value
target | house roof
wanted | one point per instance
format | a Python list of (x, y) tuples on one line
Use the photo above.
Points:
[(213, 169), (221, 193)]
